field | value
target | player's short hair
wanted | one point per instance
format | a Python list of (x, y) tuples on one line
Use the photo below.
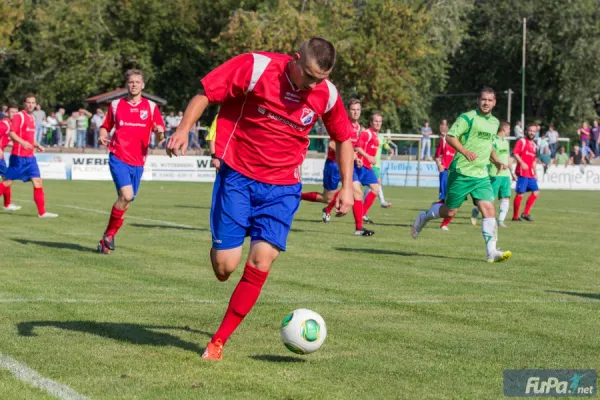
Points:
[(487, 90), (503, 125), (134, 71), (376, 113), (530, 125), (12, 106), (28, 96), (353, 102), (320, 50)]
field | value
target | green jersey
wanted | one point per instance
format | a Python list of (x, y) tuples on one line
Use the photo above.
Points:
[(382, 145), (476, 133), (502, 148)]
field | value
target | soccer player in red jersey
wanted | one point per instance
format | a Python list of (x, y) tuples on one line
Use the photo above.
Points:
[(444, 154), (525, 153), (22, 164), (269, 102), (4, 140), (134, 119), (368, 143)]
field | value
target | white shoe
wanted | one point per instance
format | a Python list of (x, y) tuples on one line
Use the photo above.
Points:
[(444, 228), (48, 215), (474, 215), (12, 207), (502, 224), (499, 256), (418, 224)]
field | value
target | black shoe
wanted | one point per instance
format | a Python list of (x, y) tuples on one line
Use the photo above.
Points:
[(527, 217), (364, 232), (368, 220), (109, 242), (517, 220)]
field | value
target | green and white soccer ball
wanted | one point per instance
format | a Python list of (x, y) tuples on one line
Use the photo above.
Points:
[(303, 331)]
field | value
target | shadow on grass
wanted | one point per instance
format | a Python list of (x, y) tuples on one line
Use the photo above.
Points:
[(277, 359), (150, 226), (195, 207), (130, 333), (594, 296), (56, 245), (314, 221), (401, 253)]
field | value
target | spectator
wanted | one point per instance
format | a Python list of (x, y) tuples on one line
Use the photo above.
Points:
[(97, 121), (562, 158), (544, 153), (588, 154), (584, 134), (426, 141), (576, 157), (40, 123), (51, 124), (71, 129), (595, 143), (3, 112), (60, 118), (82, 127), (518, 130), (193, 136), (444, 127), (552, 136)]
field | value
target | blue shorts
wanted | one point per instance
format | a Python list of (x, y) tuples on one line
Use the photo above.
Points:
[(526, 185), (21, 169), (331, 175), (124, 174), (365, 176), (2, 167), (242, 207), (443, 184)]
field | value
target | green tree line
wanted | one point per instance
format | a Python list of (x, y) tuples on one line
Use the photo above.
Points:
[(413, 60)]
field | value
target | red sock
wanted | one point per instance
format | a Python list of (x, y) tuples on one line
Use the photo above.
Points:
[(2, 188), (7, 196), (517, 205), (332, 202), (369, 202), (530, 200), (115, 222), (242, 300), (446, 222), (357, 210), (311, 196), (38, 197)]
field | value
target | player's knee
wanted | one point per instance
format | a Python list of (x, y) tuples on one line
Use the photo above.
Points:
[(126, 197), (452, 212)]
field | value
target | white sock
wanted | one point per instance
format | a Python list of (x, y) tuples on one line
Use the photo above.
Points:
[(504, 206), (490, 234), (434, 212), (380, 194), (475, 212)]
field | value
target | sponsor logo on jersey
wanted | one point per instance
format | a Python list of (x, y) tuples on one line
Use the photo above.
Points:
[(308, 116)]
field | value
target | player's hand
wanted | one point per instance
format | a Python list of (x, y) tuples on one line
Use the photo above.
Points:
[(440, 169), (359, 163), (469, 155), (216, 163), (344, 202), (26, 145), (103, 139), (39, 147), (177, 144), (500, 167), (372, 160), (524, 166)]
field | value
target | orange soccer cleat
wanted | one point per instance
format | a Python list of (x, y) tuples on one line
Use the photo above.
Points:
[(214, 351)]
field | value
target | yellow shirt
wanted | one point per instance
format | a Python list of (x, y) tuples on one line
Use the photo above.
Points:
[(212, 132)]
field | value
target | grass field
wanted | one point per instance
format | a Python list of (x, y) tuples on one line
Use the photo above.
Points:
[(424, 319)]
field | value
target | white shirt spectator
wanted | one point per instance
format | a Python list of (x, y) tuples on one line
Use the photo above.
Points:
[(51, 122), (518, 131), (552, 136), (97, 120)]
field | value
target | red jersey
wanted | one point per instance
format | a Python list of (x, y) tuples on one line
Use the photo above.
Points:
[(23, 125), (133, 126), (4, 135), (446, 152), (264, 121), (526, 149), (353, 139), (369, 142)]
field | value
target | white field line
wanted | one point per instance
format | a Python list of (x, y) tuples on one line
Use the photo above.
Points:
[(23, 373), (296, 301), (93, 210)]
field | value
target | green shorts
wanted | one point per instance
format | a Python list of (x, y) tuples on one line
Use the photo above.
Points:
[(459, 186), (500, 186), (376, 170)]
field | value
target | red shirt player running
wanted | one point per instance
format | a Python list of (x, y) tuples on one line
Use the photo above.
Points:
[(444, 154), (4, 140), (269, 102), (525, 153), (22, 164), (134, 119)]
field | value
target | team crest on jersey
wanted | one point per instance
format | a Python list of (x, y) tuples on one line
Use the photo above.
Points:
[(308, 116), (144, 114)]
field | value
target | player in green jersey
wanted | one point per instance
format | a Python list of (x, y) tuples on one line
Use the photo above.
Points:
[(500, 180), (471, 135)]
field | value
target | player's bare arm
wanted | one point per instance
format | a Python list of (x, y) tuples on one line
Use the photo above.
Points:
[(178, 142), (345, 155), (103, 137), (494, 159), (520, 162), (24, 143), (438, 161), (363, 153), (455, 143)]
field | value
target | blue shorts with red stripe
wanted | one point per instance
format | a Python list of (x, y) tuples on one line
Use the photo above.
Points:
[(124, 174), (525, 184), (242, 206), (443, 184), (21, 169), (331, 175), (2, 167), (365, 176)]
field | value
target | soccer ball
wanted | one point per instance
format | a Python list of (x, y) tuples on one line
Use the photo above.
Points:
[(303, 331)]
